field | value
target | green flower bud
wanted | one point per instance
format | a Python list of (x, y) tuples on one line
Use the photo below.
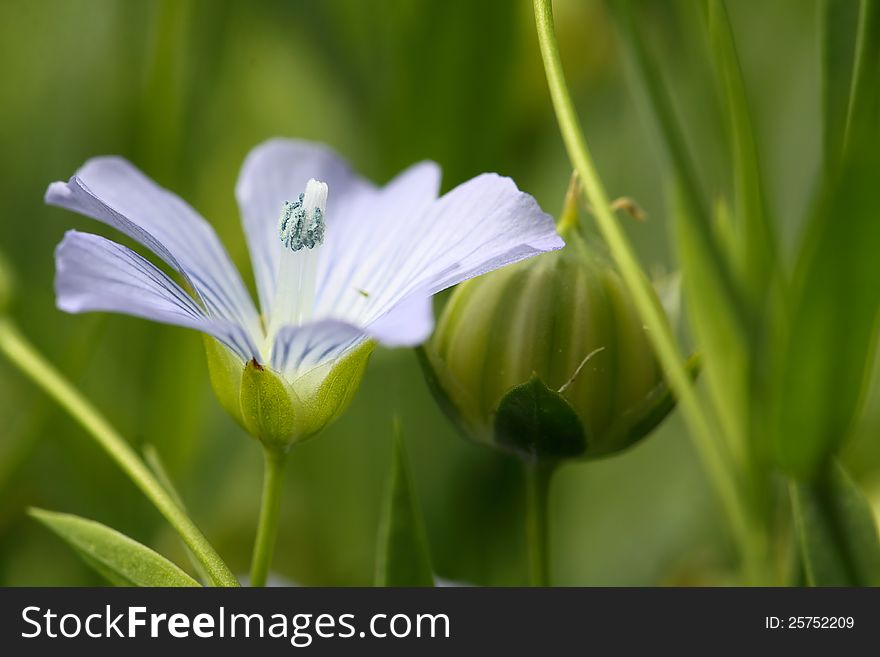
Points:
[(548, 358), (275, 410)]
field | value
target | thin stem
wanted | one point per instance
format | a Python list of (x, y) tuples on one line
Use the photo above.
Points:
[(267, 529), (20, 352), (658, 329), (538, 477)]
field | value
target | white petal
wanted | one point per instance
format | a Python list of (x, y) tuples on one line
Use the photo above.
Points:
[(365, 232), (113, 191), (408, 323), (300, 349), (95, 274), (277, 171), (479, 226)]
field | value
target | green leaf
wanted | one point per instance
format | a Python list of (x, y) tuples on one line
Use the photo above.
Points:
[(662, 113), (837, 533), (838, 24), (863, 112), (7, 284), (723, 346), (833, 324), (154, 461), (757, 239), (539, 424), (123, 561), (403, 558)]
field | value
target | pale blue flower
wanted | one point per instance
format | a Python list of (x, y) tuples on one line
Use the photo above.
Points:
[(337, 260)]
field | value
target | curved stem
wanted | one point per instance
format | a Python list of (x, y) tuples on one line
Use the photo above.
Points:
[(267, 529), (658, 329), (20, 352), (537, 493)]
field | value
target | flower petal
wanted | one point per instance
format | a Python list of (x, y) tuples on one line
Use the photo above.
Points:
[(113, 191), (277, 171), (369, 229), (481, 225), (409, 322), (96, 274), (300, 349)]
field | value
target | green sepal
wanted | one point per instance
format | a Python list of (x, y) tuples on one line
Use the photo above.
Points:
[(280, 412), (403, 558), (122, 560), (836, 531), (539, 424), (225, 371), (336, 391), (267, 407)]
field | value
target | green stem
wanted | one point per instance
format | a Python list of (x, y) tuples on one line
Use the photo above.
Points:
[(267, 529), (20, 352), (538, 477), (658, 329)]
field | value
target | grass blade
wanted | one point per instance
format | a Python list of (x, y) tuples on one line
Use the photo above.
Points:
[(755, 231), (403, 557), (836, 530)]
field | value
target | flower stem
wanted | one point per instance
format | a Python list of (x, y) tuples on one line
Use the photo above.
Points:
[(22, 354), (267, 530), (538, 477), (658, 329)]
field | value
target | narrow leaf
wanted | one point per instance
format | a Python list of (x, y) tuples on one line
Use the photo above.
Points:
[(754, 229), (122, 560), (864, 96), (403, 557), (834, 316), (154, 461), (836, 530), (662, 113), (723, 346), (838, 25)]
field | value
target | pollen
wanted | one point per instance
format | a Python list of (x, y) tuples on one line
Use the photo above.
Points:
[(301, 225)]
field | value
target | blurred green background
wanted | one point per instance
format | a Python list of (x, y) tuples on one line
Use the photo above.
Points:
[(184, 89)]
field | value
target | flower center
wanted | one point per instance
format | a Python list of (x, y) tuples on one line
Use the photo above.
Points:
[(301, 231), (301, 225)]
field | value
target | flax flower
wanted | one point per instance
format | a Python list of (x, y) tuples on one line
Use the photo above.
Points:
[(340, 264)]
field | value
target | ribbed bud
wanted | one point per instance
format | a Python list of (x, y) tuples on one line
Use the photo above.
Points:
[(548, 358)]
